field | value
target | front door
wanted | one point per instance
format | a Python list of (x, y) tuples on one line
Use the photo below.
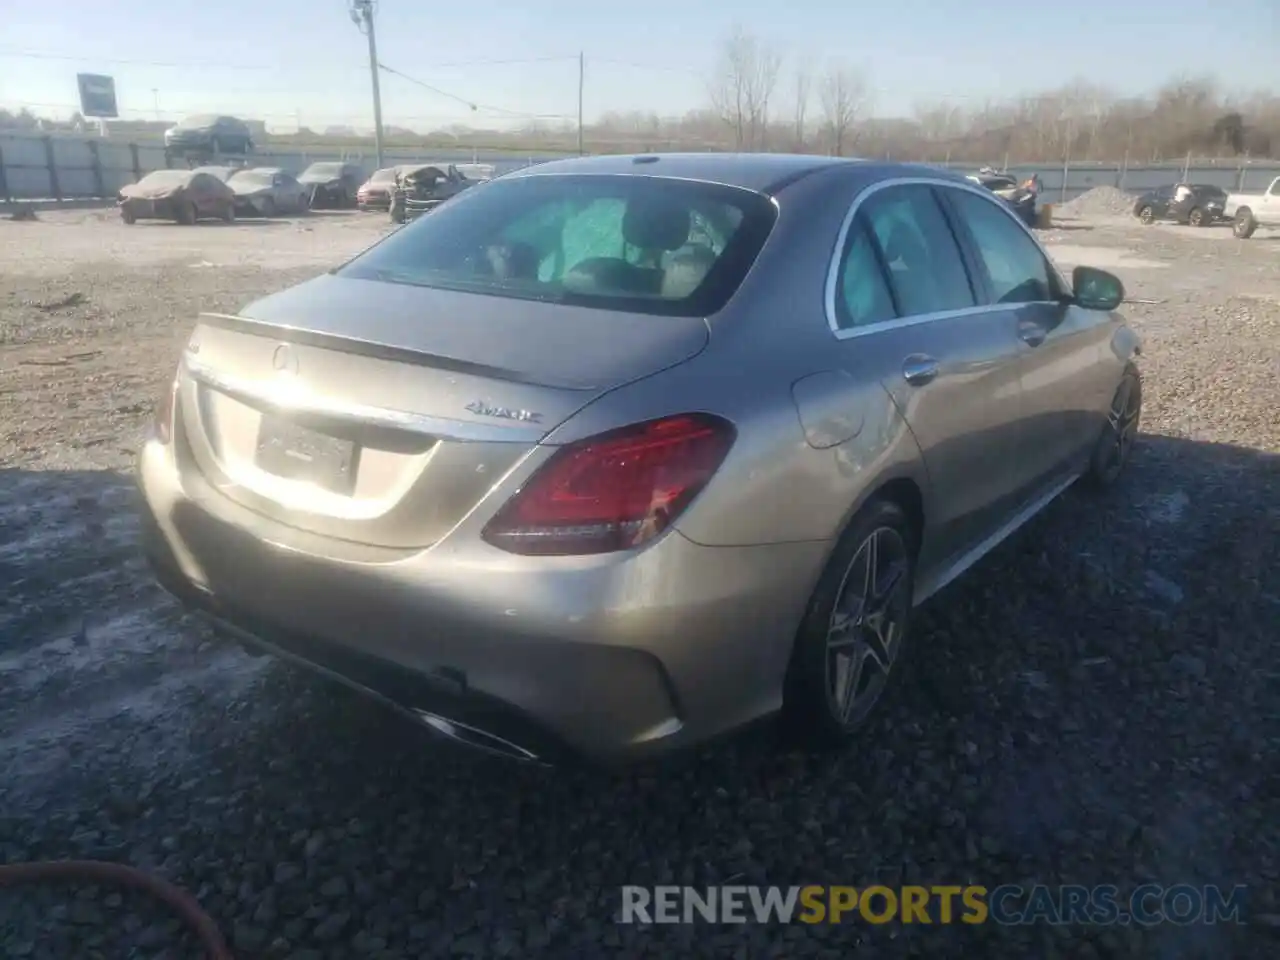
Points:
[(908, 308), (1065, 385)]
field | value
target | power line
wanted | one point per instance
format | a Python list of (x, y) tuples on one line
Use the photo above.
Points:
[(519, 114), (186, 64)]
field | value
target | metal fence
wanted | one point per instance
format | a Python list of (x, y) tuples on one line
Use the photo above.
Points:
[(80, 168)]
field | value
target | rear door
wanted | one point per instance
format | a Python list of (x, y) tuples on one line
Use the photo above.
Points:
[(906, 309), (1064, 383)]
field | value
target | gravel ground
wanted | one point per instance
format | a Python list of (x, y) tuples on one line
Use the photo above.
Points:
[(1099, 703)]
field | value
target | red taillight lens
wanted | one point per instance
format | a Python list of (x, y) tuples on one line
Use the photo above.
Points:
[(614, 491), (164, 412)]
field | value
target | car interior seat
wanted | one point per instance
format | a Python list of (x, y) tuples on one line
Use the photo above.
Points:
[(655, 227)]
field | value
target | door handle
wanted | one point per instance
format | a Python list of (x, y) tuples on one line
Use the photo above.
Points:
[(1033, 334), (918, 369)]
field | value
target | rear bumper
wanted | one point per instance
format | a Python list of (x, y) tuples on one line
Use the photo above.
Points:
[(608, 661)]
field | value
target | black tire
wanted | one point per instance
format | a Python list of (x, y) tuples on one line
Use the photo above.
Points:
[(268, 208), (1147, 215), (1196, 218), (187, 213), (811, 714), (1244, 224), (229, 213), (127, 216), (1114, 447)]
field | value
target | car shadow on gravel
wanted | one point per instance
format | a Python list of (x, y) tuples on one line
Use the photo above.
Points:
[(1096, 702)]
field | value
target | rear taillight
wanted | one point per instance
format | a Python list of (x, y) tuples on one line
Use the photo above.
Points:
[(164, 412), (614, 491)]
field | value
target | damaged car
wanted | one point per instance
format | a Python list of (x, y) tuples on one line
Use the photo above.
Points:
[(268, 191), (183, 196), (375, 193), (419, 189), (332, 184)]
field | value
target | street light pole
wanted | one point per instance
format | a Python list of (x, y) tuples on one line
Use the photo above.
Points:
[(362, 17), (581, 75)]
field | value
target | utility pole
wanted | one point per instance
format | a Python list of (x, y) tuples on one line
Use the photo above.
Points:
[(362, 17), (582, 69), (155, 100)]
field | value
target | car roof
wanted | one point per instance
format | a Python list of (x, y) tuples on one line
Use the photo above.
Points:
[(761, 172)]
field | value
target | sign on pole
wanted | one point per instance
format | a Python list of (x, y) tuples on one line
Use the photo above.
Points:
[(97, 95)]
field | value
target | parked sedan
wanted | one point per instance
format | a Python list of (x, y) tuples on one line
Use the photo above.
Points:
[(1195, 204), (181, 195), (375, 193), (332, 184), (617, 454), (268, 191)]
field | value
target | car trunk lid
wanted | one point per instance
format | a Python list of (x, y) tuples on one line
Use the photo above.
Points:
[(383, 413)]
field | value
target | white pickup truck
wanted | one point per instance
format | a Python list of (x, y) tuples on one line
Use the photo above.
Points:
[(1249, 211)]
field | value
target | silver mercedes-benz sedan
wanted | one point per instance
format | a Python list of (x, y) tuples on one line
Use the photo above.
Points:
[(617, 454)]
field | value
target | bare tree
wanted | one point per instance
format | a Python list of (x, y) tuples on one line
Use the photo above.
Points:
[(844, 98), (744, 82), (800, 108)]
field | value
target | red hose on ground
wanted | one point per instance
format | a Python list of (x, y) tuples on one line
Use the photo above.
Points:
[(98, 871)]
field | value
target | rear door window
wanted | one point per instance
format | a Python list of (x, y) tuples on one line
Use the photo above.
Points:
[(926, 269), (862, 290)]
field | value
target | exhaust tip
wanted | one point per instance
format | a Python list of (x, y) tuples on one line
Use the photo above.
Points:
[(474, 737)]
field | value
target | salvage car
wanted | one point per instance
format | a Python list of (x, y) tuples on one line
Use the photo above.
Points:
[(268, 191), (1021, 197), (544, 471), (375, 193), (1193, 204), (184, 196), (209, 133), (419, 189), (332, 184)]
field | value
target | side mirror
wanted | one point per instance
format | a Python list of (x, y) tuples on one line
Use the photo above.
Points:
[(1096, 289)]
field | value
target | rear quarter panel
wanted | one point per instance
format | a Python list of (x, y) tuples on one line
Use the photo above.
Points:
[(778, 484)]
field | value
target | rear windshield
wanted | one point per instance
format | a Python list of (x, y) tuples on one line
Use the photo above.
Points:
[(325, 169), (640, 244)]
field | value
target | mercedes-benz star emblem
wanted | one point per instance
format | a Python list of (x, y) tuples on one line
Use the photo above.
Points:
[(283, 360)]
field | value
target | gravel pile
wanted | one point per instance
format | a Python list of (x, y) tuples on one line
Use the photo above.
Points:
[(1099, 702), (1098, 202)]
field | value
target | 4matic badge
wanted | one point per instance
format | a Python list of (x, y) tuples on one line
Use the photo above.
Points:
[(503, 413)]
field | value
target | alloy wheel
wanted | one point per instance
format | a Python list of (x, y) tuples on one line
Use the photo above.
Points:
[(1122, 423), (867, 625)]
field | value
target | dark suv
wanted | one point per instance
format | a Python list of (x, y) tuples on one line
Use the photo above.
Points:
[(1197, 204), (207, 133)]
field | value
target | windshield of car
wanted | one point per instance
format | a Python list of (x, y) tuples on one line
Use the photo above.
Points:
[(1208, 191), (383, 176), (324, 170), (199, 120), (641, 244)]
